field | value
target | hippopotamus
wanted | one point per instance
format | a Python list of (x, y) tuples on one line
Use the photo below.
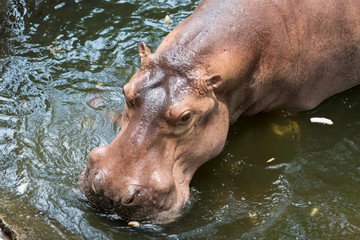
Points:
[(227, 59)]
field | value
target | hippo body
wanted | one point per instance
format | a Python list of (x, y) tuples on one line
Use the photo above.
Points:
[(229, 58)]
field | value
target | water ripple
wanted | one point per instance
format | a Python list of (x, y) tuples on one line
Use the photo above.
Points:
[(58, 58)]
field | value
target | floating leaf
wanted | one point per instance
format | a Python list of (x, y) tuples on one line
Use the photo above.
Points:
[(252, 215), (167, 20), (313, 212), (99, 85), (25, 105)]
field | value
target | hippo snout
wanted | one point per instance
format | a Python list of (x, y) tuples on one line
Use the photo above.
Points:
[(131, 196)]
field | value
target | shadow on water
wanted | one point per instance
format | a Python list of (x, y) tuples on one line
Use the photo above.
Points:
[(62, 66)]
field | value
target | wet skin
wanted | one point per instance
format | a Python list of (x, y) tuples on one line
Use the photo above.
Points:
[(227, 59)]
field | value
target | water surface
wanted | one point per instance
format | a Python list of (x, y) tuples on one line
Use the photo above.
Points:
[(62, 67)]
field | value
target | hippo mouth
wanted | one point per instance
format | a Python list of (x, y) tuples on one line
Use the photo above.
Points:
[(152, 211)]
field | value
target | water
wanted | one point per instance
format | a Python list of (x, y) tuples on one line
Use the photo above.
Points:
[(62, 66)]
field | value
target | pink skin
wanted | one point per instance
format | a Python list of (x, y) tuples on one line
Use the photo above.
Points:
[(144, 174), (229, 58)]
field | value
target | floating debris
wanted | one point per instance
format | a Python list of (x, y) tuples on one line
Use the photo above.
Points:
[(99, 85), (252, 215), (25, 105), (167, 20), (134, 224), (321, 120), (270, 160), (313, 212)]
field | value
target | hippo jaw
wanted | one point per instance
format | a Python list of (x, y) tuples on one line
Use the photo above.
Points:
[(163, 212)]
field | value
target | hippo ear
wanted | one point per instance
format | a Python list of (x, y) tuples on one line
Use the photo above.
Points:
[(213, 81), (144, 51)]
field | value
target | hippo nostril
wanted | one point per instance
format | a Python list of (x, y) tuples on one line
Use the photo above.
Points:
[(98, 182), (129, 201), (131, 196)]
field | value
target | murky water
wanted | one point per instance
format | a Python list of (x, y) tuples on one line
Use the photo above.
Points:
[(62, 66)]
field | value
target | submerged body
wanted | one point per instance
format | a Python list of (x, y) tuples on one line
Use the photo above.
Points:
[(229, 58)]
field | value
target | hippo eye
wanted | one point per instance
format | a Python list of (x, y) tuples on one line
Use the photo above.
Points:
[(185, 117)]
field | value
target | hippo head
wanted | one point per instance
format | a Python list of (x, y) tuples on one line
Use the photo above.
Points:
[(172, 123)]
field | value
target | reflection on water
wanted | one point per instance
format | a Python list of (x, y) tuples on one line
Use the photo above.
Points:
[(62, 66)]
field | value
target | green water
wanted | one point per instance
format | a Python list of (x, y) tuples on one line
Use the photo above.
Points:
[(53, 111)]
